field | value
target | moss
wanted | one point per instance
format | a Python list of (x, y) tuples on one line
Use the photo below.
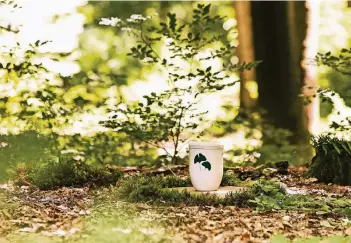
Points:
[(151, 190), (174, 181), (262, 195), (231, 180), (243, 199), (66, 171)]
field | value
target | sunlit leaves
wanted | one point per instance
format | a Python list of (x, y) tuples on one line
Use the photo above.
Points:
[(172, 116), (340, 63)]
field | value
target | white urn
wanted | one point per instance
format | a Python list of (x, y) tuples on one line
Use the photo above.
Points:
[(206, 165)]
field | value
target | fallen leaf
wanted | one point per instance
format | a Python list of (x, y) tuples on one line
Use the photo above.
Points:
[(325, 223)]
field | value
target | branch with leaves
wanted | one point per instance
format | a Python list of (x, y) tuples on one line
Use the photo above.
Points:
[(173, 116)]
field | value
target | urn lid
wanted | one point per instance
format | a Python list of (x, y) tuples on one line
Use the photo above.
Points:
[(205, 145)]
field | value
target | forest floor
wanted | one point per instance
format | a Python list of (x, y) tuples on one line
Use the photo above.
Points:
[(94, 215)]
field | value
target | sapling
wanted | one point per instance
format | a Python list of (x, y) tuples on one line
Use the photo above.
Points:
[(172, 117)]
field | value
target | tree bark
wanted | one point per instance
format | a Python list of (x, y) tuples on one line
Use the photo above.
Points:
[(279, 31), (245, 51), (311, 50)]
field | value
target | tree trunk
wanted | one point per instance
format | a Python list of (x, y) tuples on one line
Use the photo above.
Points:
[(245, 52), (311, 44), (279, 30)]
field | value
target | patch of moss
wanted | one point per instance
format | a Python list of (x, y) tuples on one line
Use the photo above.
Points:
[(151, 190), (173, 181), (231, 180), (262, 195), (66, 171), (249, 196)]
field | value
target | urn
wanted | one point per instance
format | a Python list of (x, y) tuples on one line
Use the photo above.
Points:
[(206, 165)]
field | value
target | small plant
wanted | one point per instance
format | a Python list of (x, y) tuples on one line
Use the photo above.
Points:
[(172, 116), (332, 162)]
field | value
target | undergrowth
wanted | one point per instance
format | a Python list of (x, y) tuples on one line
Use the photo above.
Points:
[(231, 180), (152, 190), (66, 171), (262, 195), (331, 164)]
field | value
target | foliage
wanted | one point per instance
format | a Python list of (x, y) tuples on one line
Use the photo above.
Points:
[(28, 147), (33, 97), (331, 164), (171, 116), (250, 197), (68, 170), (340, 63), (264, 142), (103, 148), (108, 148)]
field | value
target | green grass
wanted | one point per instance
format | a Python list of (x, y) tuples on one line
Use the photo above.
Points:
[(111, 221)]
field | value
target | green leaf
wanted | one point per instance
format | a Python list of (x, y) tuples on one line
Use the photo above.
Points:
[(346, 148), (199, 158), (172, 21), (207, 165), (344, 50), (336, 148), (348, 145), (325, 223), (206, 10)]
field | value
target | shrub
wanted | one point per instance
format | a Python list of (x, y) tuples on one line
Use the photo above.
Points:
[(332, 162), (172, 116)]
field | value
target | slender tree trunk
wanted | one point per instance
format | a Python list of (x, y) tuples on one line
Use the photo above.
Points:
[(311, 44), (245, 51)]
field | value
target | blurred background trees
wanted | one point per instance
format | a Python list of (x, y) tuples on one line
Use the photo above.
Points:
[(61, 73)]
